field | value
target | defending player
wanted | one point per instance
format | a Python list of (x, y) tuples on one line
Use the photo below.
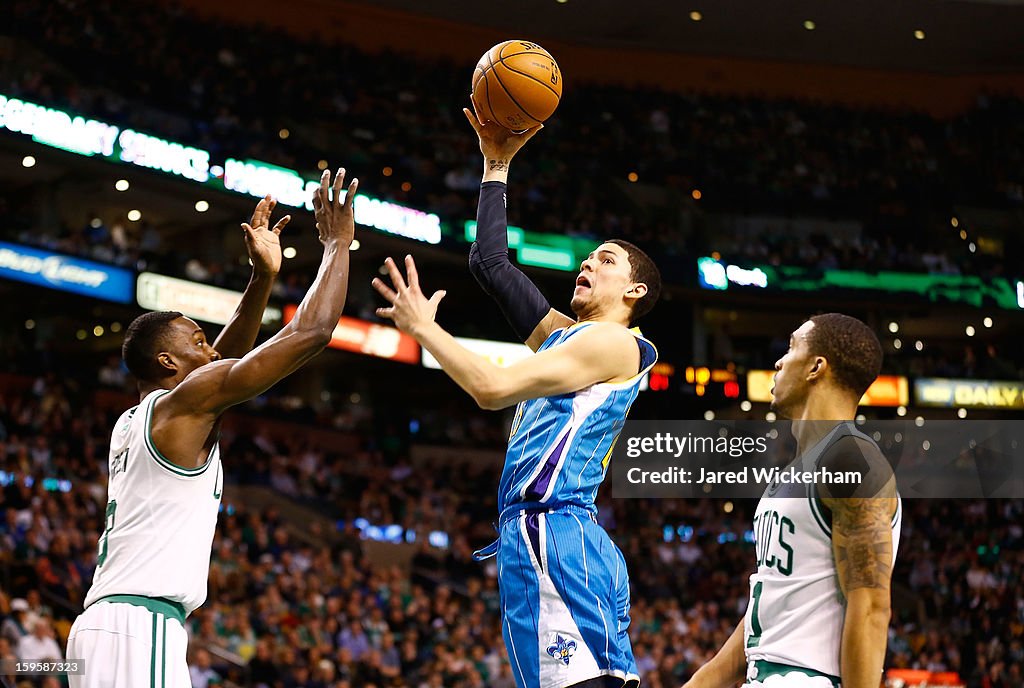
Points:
[(818, 614), (165, 466), (564, 588)]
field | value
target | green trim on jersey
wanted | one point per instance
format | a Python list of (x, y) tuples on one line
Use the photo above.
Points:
[(163, 460), (817, 510), (765, 669), (157, 605)]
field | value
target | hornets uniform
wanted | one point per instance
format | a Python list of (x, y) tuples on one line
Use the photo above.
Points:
[(152, 565), (563, 582), (793, 626)]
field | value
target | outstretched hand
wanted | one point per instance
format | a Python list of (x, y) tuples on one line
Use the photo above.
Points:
[(335, 221), (263, 242), (410, 310), (497, 143)]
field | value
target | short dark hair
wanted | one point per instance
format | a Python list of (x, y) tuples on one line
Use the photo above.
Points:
[(850, 347), (643, 270), (142, 343)]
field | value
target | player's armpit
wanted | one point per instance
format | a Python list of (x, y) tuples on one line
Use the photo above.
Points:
[(862, 539), (554, 320), (602, 352)]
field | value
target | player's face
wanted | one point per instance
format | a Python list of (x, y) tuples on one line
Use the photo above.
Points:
[(186, 342), (603, 280), (791, 371)]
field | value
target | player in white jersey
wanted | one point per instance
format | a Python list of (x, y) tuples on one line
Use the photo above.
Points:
[(819, 607), (165, 477)]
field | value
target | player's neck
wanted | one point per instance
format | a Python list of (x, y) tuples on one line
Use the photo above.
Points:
[(818, 416), (147, 388)]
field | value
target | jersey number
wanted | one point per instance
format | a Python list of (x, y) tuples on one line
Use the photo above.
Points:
[(755, 626), (111, 508)]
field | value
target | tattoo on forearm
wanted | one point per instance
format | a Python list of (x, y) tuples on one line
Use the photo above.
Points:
[(497, 165), (862, 535)]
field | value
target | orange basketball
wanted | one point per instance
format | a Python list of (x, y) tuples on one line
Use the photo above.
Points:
[(516, 84)]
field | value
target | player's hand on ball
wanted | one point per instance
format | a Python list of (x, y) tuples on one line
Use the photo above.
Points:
[(262, 242), (496, 142), (410, 310), (335, 221)]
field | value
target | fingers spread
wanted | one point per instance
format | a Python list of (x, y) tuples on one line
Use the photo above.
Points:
[(281, 224), (352, 188), (339, 179), (396, 276), (388, 313), (384, 290), (410, 271)]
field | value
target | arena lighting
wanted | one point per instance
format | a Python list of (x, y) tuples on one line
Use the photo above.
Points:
[(83, 136), (134, 215), (809, 25), (202, 206), (1020, 294), (257, 179), (502, 354), (709, 415), (28, 161), (122, 185), (969, 330), (894, 327), (354, 246), (715, 274), (987, 322), (696, 16), (289, 252), (745, 405), (955, 222), (919, 35)]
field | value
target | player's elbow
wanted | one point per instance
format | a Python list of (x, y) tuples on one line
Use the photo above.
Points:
[(871, 606), (490, 395), (312, 340)]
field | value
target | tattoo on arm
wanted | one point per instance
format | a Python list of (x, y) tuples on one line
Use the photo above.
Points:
[(497, 165), (862, 541)]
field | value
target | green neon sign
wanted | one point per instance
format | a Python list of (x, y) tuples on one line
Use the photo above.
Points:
[(540, 249), (966, 289)]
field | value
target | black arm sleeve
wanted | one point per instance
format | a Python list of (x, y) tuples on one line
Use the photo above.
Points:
[(517, 296)]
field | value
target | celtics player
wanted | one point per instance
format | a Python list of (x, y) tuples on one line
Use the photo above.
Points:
[(165, 478), (818, 614)]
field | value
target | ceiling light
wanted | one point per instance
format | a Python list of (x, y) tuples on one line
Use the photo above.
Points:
[(696, 16), (709, 415), (632, 176), (121, 185), (202, 206), (745, 405), (28, 161), (355, 245), (894, 327), (987, 322), (809, 25), (919, 35), (134, 215), (284, 133), (970, 330), (289, 252)]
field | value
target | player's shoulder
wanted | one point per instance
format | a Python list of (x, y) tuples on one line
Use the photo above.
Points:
[(603, 331), (198, 386)]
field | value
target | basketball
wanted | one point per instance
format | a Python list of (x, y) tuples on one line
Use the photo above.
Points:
[(516, 84)]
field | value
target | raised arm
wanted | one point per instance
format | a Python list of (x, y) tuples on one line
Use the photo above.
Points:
[(525, 308), (863, 549), (215, 387), (264, 247), (603, 352)]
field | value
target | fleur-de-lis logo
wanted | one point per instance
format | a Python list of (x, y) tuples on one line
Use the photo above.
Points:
[(562, 649)]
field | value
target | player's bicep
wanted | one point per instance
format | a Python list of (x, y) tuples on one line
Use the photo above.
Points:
[(220, 385), (548, 324), (593, 356), (862, 539)]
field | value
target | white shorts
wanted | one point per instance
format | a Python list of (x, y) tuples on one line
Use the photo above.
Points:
[(136, 644), (762, 674)]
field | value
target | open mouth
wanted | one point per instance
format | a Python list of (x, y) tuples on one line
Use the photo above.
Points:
[(582, 281)]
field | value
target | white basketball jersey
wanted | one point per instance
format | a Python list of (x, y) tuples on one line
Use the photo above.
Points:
[(796, 609), (160, 518)]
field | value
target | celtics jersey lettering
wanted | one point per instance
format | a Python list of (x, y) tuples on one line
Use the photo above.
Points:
[(796, 609), (160, 518)]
